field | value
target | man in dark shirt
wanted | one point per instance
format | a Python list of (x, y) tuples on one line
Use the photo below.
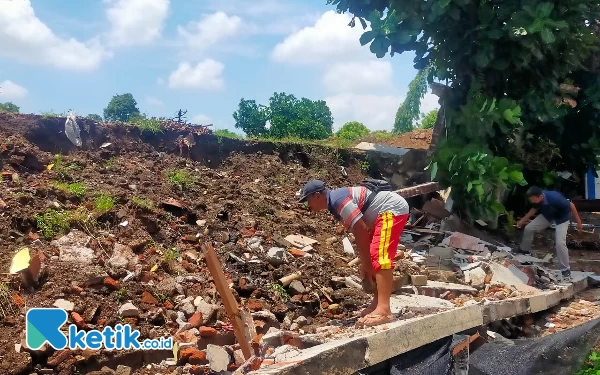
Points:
[(552, 207)]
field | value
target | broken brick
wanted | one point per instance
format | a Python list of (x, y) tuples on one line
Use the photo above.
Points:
[(488, 278), (255, 305), (168, 305), (78, 320), (198, 358), (195, 320), (297, 253), (149, 299), (59, 357), (18, 300), (76, 289), (207, 332), (111, 283), (185, 354), (197, 370)]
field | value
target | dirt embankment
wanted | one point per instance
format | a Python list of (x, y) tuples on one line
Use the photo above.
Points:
[(124, 187)]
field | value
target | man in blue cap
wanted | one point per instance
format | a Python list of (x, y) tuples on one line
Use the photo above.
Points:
[(552, 207), (377, 220)]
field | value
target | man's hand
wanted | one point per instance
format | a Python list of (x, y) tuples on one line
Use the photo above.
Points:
[(521, 223), (366, 272), (579, 226)]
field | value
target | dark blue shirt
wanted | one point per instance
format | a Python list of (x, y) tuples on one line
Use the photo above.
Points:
[(555, 207)]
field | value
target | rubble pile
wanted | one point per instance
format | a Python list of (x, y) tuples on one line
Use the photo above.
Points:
[(113, 234)]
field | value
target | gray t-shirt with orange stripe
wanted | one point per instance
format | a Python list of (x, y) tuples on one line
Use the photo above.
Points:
[(345, 205)]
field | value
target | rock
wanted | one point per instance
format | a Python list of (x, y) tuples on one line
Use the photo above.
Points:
[(64, 304), (267, 316), (418, 280), (73, 248), (276, 256), (333, 307), (188, 308), (103, 371), (197, 301), (207, 310), (296, 287), (476, 277), (123, 257), (123, 370), (129, 310), (167, 287), (238, 357), (301, 321), (218, 358), (331, 240)]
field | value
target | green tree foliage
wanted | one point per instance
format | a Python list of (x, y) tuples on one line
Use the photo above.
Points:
[(251, 118), (226, 133), (525, 87), (288, 117), (428, 120), (94, 117), (121, 108), (9, 107), (352, 131), (409, 110)]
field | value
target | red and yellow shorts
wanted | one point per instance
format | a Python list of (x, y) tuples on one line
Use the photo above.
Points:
[(386, 237)]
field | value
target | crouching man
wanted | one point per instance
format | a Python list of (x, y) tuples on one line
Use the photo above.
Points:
[(377, 221), (553, 207)]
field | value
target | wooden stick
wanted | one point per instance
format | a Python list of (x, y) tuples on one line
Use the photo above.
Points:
[(231, 306)]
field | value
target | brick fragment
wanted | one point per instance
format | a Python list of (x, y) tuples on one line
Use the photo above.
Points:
[(196, 320), (59, 357), (78, 320), (110, 283), (149, 299), (207, 332)]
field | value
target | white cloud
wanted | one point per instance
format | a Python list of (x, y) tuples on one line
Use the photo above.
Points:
[(429, 103), (201, 119), (23, 36), (206, 75), (10, 90), (209, 30), (330, 39), (154, 101), (377, 112), (136, 22), (358, 76)]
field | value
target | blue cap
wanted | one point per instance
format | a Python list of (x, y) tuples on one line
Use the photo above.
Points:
[(311, 187)]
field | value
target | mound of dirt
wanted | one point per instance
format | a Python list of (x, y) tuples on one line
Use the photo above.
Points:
[(144, 206), (416, 139)]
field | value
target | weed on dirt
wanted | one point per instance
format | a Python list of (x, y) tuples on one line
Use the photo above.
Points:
[(77, 188), (104, 202), (181, 178)]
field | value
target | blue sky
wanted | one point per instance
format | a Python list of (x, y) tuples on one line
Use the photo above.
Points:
[(199, 55)]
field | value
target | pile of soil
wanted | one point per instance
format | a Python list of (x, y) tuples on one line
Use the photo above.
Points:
[(166, 202), (416, 139)]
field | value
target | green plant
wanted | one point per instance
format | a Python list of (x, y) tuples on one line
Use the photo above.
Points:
[(9, 107), (509, 227), (110, 163), (592, 365), (226, 134), (121, 294), (428, 120), (53, 222), (121, 108), (51, 114), (172, 253), (77, 188), (181, 178), (161, 297), (146, 124), (104, 202), (143, 203), (365, 166), (280, 290), (409, 110), (352, 130)]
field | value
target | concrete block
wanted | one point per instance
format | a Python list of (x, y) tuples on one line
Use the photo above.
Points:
[(437, 288), (418, 280), (497, 310), (418, 303)]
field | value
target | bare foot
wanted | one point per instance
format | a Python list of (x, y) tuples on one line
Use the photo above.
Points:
[(369, 309), (372, 320)]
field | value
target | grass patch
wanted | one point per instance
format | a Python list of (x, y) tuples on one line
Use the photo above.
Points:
[(143, 203), (279, 289), (54, 222), (110, 163), (591, 366), (121, 295), (104, 202), (149, 125), (78, 188), (51, 114), (224, 133), (172, 254), (365, 166), (181, 178), (161, 297)]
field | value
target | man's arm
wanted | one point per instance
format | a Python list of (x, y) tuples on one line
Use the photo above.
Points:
[(362, 237), (576, 216), (527, 216)]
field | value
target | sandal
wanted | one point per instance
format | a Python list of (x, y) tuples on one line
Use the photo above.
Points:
[(373, 320)]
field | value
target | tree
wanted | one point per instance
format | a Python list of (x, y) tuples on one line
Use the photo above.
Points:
[(121, 108), (428, 120), (409, 110), (251, 118), (94, 117), (523, 94), (288, 117), (352, 131), (9, 107)]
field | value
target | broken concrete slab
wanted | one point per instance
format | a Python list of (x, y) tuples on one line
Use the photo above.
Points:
[(417, 303), (218, 358), (300, 241), (464, 241), (529, 259), (475, 277), (509, 277), (73, 248), (367, 146), (437, 288)]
